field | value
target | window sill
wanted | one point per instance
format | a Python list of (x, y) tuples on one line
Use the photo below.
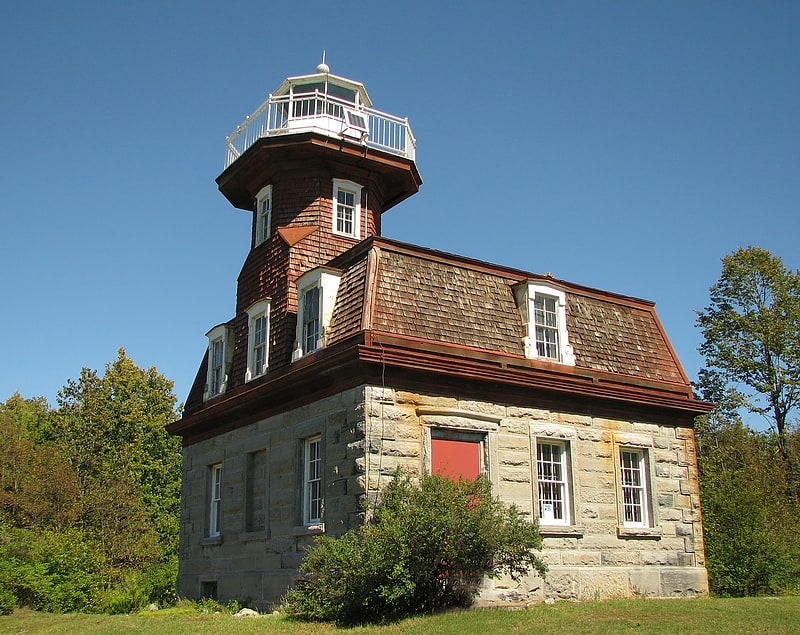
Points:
[(648, 533), (570, 531), (307, 530), (211, 541), (247, 536)]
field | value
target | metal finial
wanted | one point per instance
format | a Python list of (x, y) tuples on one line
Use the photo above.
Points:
[(323, 67)]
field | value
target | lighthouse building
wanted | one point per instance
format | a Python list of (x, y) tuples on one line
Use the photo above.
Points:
[(349, 355)]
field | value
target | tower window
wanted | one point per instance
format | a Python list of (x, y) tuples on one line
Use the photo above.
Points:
[(220, 350), (258, 340), (263, 214), (311, 319), (316, 296), (346, 208)]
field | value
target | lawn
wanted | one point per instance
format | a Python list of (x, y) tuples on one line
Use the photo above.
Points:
[(748, 615)]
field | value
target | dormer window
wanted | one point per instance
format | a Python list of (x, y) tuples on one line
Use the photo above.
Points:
[(257, 340), (544, 314), (220, 350), (316, 295), (346, 209), (263, 214)]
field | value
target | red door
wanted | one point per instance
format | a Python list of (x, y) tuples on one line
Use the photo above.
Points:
[(456, 459)]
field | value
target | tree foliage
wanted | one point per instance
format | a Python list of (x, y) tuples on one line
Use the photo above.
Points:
[(94, 483), (752, 532), (427, 546), (749, 479), (750, 331)]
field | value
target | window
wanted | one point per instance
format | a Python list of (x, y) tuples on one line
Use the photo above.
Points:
[(316, 296), (311, 319), (346, 208), (312, 481), (552, 474), (456, 455), (219, 353), (263, 214), (255, 494), (257, 340), (215, 512), (633, 477), (544, 313)]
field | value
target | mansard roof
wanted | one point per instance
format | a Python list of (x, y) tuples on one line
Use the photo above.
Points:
[(430, 296), (413, 317)]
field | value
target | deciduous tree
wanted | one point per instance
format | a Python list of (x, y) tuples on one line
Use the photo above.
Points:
[(751, 331)]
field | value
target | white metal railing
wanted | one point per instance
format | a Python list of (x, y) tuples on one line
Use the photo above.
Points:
[(320, 113)]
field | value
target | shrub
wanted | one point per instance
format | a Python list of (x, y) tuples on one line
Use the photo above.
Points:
[(427, 547), (8, 601), (50, 571)]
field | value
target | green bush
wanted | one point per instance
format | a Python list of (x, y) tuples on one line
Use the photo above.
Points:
[(8, 601), (50, 571), (427, 547)]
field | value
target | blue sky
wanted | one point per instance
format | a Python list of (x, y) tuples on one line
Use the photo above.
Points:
[(622, 145)]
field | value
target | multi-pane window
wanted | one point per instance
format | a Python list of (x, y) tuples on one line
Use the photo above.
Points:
[(545, 311), (634, 488), (346, 208), (312, 481), (551, 471), (259, 344), (218, 360), (216, 366), (258, 340), (311, 319), (263, 214), (215, 505), (345, 212)]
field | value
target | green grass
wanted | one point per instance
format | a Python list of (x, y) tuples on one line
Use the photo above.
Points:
[(748, 615)]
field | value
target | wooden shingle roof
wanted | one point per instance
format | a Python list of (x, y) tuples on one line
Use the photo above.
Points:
[(426, 295)]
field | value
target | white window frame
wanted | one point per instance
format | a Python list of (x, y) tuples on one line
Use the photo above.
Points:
[(327, 282), (527, 295), (552, 487), (311, 319), (219, 338), (259, 311), (263, 214), (215, 500), (634, 484), (313, 499), (354, 189)]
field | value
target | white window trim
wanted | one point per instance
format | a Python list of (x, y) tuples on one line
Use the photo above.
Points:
[(565, 484), (215, 500), (263, 216), (258, 310), (355, 189), (223, 334), (643, 490), (327, 280), (526, 295), (310, 478)]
